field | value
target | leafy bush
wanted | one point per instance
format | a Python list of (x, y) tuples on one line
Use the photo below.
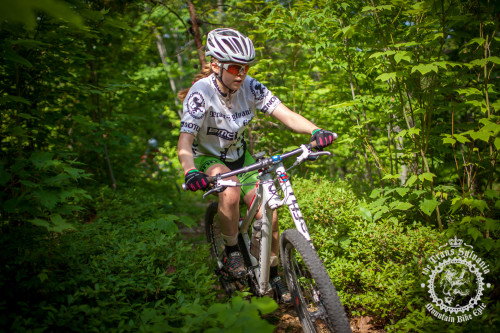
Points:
[(376, 265), (128, 270)]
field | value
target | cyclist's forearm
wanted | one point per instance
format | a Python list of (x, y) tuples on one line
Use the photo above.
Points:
[(185, 151), (292, 120)]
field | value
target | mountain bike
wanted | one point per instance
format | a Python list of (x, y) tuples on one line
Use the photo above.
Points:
[(313, 295)]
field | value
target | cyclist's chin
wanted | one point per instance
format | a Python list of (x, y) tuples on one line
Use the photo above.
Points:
[(236, 85)]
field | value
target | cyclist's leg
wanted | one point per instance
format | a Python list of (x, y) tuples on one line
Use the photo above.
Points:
[(275, 235), (248, 193), (228, 214), (229, 200)]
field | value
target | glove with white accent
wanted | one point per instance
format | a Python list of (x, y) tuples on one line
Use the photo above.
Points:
[(323, 138), (196, 180)]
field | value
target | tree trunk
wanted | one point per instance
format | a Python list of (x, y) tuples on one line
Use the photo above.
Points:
[(162, 50), (196, 33)]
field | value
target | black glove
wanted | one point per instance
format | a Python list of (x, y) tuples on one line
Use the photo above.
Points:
[(323, 138), (196, 180)]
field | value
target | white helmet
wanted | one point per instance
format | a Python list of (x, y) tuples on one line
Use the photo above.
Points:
[(228, 45)]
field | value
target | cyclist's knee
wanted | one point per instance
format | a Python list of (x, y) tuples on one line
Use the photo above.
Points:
[(230, 196)]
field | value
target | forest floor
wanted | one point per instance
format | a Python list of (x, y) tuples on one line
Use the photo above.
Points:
[(285, 318)]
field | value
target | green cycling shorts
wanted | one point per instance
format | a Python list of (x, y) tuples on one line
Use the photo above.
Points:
[(202, 163)]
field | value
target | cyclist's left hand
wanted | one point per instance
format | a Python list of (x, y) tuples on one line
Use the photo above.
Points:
[(323, 138)]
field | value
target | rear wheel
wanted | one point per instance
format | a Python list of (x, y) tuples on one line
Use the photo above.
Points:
[(314, 297), (214, 238)]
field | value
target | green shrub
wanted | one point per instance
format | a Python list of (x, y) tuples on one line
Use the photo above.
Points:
[(128, 270), (376, 266)]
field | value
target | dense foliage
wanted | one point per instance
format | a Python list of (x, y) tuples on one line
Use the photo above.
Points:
[(89, 228)]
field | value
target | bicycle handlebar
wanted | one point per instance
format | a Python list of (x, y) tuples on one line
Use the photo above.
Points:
[(265, 162)]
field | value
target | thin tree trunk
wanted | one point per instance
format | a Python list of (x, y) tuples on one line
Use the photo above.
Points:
[(162, 50), (196, 33), (220, 9)]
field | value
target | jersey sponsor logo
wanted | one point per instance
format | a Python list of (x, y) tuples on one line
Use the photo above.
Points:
[(196, 105), (219, 115), (234, 116), (258, 89), (190, 126), (222, 133), (269, 104)]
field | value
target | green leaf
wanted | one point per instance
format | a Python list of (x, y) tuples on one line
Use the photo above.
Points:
[(48, 199), (460, 138), (376, 192), (427, 176), (365, 213), (25, 12), (167, 226), (40, 222), (73, 172), (495, 60), (479, 204), (474, 232), (402, 55), (449, 141), (265, 304), (425, 68), (42, 159), (479, 40), (412, 180), (403, 206), (479, 62), (481, 135), (59, 224), (402, 191), (386, 76), (428, 205), (414, 131), (389, 176), (468, 91)]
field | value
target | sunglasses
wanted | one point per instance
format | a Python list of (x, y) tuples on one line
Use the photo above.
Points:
[(235, 69)]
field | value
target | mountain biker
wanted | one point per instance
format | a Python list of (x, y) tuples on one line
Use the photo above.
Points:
[(216, 110)]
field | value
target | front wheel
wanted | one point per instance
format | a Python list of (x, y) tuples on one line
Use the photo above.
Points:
[(314, 297)]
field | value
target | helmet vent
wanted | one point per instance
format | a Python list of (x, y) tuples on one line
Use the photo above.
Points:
[(237, 43), (228, 43), (228, 33), (220, 46)]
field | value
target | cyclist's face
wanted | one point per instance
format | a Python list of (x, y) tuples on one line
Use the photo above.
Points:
[(233, 75)]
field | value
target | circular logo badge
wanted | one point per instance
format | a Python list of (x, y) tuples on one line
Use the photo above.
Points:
[(455, 282), (196, 105)]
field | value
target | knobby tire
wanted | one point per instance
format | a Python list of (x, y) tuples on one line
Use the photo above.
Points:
[(301, 263)]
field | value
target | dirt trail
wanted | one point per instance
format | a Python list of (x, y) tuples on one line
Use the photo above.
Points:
[(285, 318)]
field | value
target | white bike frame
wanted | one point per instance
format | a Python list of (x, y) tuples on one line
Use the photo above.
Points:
[(267, 196)]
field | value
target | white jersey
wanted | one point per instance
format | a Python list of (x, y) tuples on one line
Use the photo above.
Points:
[(218, 130)]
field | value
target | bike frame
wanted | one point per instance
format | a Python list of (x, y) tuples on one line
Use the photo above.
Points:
[(266, 196)]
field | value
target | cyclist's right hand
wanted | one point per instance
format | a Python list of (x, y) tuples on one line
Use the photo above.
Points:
[(196, 180)]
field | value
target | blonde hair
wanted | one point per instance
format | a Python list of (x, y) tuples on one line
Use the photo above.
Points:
[(205, 72)]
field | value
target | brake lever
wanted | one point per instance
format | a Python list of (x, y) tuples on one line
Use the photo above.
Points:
[(221, 186), (213, 190)]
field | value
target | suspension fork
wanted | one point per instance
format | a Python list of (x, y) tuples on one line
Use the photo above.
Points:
[(291, 201)]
